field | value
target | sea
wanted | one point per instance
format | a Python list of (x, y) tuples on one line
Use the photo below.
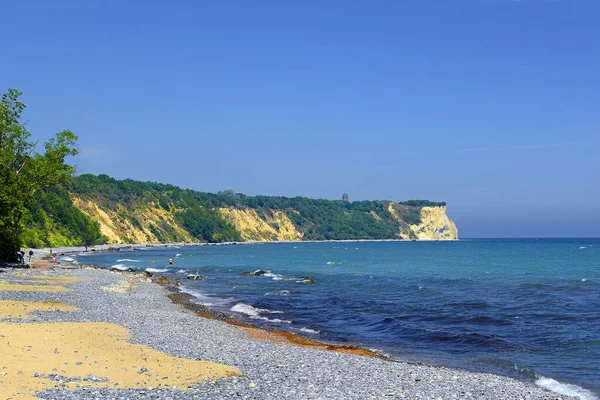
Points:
[(525, 308)]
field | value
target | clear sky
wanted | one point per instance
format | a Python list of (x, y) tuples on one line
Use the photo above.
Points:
[(490, 105)]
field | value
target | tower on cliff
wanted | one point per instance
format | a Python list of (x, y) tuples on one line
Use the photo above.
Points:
[(345, 197)]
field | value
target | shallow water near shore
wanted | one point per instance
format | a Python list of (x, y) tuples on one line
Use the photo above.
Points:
[(524, 308)]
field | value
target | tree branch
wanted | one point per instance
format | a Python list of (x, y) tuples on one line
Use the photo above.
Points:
[(28, 155)]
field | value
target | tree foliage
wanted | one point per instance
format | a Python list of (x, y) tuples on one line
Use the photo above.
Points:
[(23, 170)]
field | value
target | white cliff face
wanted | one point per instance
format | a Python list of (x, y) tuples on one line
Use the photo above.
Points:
[(435, 225)]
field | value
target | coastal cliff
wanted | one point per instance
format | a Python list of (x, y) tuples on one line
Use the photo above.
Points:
[(275, 225), (435, 225), (115, 211)]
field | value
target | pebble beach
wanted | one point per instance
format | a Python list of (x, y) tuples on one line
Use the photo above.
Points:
[(96, 334)]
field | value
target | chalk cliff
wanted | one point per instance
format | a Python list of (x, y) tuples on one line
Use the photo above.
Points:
[(95, 209), (435, 225)]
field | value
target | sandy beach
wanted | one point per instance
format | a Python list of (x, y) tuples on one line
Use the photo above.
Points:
[(78, 333)]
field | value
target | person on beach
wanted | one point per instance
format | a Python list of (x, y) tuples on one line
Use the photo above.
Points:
[(22, 257), (170, 261), (17, 255), (30, 254), (54, 258)]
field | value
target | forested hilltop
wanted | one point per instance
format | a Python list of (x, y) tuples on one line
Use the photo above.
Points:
[(94, 209)]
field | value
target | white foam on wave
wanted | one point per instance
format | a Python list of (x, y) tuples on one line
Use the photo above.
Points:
[(177, 255), (182, 271), (122, 267), (583, 280), (308, 330), (275, 277), (156, 270), (246, 309), (566, 389), (254, 312), (205, 298), (280, 321), (333, 263), (583, 247), (279, 293), (127, 260), (68, 259)]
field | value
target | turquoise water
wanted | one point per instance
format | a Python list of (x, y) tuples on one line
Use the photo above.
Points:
[(524, 308)]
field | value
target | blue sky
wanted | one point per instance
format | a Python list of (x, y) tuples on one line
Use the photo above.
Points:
[(489, 105)]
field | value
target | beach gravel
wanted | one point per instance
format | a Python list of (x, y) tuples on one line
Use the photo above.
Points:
[(270, 371)]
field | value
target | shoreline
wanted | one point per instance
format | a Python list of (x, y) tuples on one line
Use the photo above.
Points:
[(277, 348), (119, 246), (185, 300)]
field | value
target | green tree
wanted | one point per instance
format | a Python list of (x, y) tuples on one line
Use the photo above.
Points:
[(23, 170)]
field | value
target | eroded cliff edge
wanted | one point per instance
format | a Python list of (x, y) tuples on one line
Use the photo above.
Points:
[(95, 209)]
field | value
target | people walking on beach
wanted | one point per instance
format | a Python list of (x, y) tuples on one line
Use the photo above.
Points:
[(170, 261), (22, 256), (54, 258), (30, 254)]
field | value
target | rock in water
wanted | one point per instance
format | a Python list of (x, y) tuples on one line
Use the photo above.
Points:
[(195, 277), (307, 280)]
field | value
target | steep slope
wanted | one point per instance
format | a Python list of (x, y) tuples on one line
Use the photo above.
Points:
[(274, 225), (52, 220), (145, 212), (142, 223), (435, 225)]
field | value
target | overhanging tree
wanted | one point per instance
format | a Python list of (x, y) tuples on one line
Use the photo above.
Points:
[(23, 170)]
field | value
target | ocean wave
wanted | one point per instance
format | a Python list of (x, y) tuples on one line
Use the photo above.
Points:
[(566, 389), (121, 267), (68, 259), (156, 270), (127, 260), (333, 263), (275, 277), (205, 298), (279, 321), (254, 312), (282, 293), (247, 309), (308, 330), (177, 255)]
